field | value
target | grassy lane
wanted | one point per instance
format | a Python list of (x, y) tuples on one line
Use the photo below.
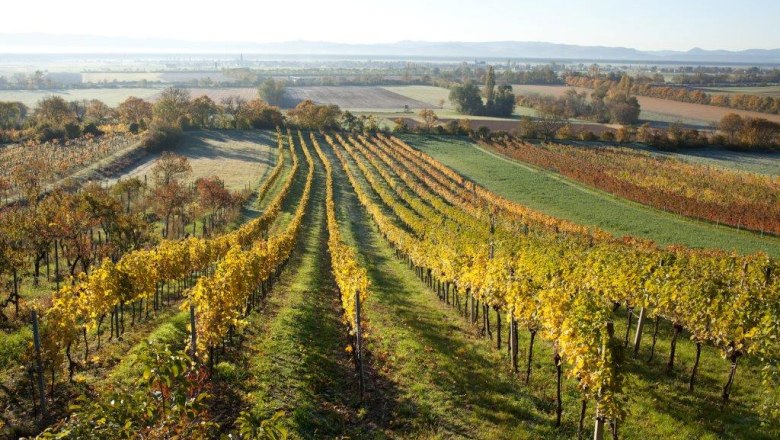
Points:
[(554, 195), (432, 376), (293, 358)]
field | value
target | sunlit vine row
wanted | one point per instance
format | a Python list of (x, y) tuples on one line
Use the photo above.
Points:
[(579, 333), (223, 299), (351, 277)]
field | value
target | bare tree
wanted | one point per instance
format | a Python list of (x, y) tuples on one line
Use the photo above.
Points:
[(233, 106), (549, 124)]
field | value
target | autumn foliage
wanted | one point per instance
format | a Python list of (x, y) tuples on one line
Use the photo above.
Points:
[(756, 103), (734, 198)]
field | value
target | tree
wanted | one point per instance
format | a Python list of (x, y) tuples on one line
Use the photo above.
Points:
[(203, 111), (527, 128), (464, 126), (97, 111), (490, 85), (312, 116), (54, 112), (575, 104), (12, 114), (127, 188), (401, 125), (646, 134), (272, 91), (429, 118), (624, 134), (503, 102), (759, 133), (212, 194), (730, 125), (369, 122), (548, 124), (30, 176), (233, 105), (623, 110), (134, 110), (172, 107), (170, 199), (466, 98), (258, 114), (79, 108), (170, 167), (350, 122)]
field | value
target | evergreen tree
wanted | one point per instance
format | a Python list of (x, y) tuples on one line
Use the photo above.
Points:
[(490, 86)]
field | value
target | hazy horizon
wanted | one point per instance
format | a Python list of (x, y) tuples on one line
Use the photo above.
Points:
[(662, 25)]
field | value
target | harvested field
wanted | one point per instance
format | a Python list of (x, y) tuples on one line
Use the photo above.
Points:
[(346, 97), (680, 110), (111, 97), (349, 97), (217, 94)]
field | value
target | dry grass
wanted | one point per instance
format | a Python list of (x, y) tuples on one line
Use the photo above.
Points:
[(433, 96), (240, 158)]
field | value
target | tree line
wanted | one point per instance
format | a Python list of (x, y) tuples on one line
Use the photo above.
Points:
[(732, 132), (643, 87), (608, 103)]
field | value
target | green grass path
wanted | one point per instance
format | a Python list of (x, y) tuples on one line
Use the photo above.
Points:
[(295, 347), (560, 197)]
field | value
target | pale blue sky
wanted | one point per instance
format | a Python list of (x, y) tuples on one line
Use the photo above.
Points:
[(646, 25)]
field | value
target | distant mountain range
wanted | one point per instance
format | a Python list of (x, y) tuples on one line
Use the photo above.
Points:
[(50, 43)]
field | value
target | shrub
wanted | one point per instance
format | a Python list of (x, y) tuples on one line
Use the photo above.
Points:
[(607, 136), (159, 138), (482, 132), (72, 130), (91, 129), (46, 134)]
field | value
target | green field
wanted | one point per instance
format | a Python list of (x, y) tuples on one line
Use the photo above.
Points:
[(434, 95), (554, 195)]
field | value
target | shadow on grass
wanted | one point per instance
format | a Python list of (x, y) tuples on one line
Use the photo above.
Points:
[(199, 144)]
